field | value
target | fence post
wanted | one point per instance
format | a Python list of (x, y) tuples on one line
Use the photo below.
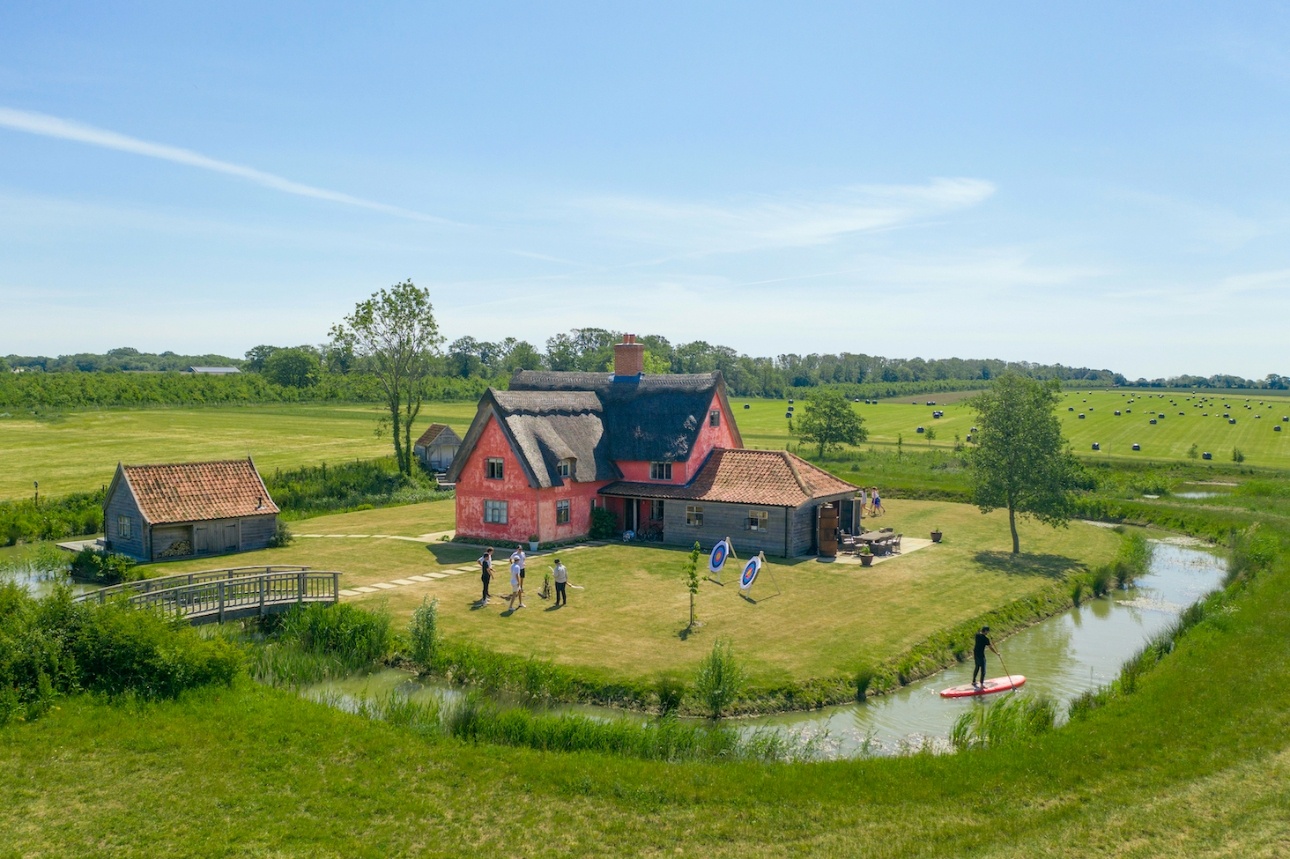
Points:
[(335, 587), (263, 583), (221, 601), (300, 587)]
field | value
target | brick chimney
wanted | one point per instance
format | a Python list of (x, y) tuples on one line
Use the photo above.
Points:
[(629, 357)]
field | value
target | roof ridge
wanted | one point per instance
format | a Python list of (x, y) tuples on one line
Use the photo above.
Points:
[(792, 469)]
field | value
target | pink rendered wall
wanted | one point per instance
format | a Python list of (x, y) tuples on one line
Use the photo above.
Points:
[(473, 488), (529, 510)]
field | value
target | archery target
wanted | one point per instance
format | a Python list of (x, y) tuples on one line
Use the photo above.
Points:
[(749, 575), (717, 559)]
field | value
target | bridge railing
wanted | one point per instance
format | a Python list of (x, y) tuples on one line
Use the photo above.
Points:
[(260, 594), (144, 586)]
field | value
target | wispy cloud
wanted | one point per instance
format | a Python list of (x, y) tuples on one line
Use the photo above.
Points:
[(62, 129), (778, 222)]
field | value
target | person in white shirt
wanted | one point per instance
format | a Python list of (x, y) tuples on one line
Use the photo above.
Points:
[(561, 582), (517, 587)]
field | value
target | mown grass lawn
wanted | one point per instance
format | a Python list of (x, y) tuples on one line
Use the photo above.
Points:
[(626, 619)]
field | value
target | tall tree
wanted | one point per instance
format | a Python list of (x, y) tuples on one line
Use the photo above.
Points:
[(395, 334), (829, 421), (1021, 461)]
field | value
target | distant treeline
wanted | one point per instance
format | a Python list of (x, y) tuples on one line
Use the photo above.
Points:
[(38, 391), (330, 372)]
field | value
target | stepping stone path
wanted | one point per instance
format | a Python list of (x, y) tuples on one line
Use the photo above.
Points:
[(423, 578)]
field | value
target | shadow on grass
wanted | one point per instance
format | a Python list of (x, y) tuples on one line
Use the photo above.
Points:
[(450, 555), (1048, 566)]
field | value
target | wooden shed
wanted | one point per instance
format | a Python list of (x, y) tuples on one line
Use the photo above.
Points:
[(188, 509), (437, 447)]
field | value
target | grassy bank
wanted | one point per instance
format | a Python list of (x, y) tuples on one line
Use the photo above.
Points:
[(1183, 766)]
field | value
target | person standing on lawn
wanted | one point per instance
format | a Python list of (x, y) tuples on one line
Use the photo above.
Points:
[(517, 588), (486, 572), (518, 557), (978, 653), (561, 583)]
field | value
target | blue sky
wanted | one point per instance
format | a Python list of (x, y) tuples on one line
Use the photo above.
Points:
[(1092, 184)]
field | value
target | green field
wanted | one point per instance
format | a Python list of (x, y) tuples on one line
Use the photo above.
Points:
[(78, 451)]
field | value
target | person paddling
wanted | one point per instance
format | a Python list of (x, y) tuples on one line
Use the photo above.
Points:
[(978, 653)]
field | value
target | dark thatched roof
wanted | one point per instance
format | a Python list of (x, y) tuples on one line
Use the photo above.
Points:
[(647, 418)]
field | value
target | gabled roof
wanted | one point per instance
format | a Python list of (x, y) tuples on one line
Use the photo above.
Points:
[(433, 434), (196, 491), (773, 478), (647, 418), (545, 428)]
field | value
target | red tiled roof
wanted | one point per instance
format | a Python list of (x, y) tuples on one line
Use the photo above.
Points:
[(431, 433), (197, 491), (775, 478)]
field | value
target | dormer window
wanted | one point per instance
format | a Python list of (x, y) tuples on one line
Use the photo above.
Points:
[(660, 471), (565, 468)]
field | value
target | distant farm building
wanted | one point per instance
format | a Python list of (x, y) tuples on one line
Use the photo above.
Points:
[(661, 453), (437, 447), (189, 509), (213, 371)]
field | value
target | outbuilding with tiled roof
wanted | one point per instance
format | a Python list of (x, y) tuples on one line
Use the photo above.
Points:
[(186, 509), (764, 500)]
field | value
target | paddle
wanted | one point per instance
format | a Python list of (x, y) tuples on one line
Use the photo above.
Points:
[(1005, 670)]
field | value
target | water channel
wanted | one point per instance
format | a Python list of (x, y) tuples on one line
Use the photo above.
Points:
[(1062, 657)]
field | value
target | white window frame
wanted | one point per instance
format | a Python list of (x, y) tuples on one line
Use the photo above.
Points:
[(694, 515), (495, 512), (714, 418), (660, 471), (565, 507), (565, 468), (495, 464), (758, 520), (124, 531)]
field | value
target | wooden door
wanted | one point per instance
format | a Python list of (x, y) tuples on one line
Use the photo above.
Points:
[(231, 542), (828, 539)]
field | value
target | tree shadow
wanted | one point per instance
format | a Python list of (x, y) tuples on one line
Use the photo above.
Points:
[(1046, 565)]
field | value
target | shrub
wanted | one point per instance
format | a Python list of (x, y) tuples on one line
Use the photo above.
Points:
[(671, 693), (720, 680), (1015, 719), (424, 632), (282, 536), (354, 636), (103, 568), (604, 524)]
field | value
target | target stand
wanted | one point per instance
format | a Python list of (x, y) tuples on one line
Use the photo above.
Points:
[(749, 576)]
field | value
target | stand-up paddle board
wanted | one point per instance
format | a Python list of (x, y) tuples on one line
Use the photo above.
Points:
[(989, 687)]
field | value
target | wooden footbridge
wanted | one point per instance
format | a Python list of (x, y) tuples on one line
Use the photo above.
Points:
[(214, 596)]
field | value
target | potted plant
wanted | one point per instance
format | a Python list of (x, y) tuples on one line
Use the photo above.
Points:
[(866, 556), (936, 535), (533, 542)]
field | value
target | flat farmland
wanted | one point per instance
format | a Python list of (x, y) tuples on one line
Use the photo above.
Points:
[(79, 451), (1188, 419)]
